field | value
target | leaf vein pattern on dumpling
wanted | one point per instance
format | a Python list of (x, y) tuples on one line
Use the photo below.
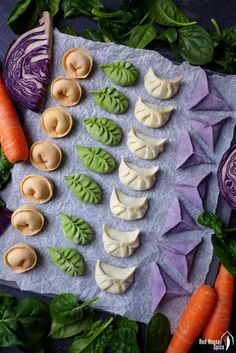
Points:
[(84, 188), (111, 100), (68, 260), (123, 73), (104, 130), (75, 229), (96, 159)]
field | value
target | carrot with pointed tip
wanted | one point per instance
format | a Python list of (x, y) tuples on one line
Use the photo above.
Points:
[(220, 320), (12, 138), (193, 320)]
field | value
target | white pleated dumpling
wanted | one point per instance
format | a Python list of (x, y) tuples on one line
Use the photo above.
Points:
[(152, 115), (135, 177), (160, 88), (144, 146), (127, 207), (118, 243), (113, 279)]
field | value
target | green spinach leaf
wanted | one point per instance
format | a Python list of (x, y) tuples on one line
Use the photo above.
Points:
[(170, 35), (95, 340), (5, 167), (48, 5), (157, 334), (73, 8), (212, 221), (124, 340), (141, 36), (195, 45), (92, 34), (122, 321), (166, 13), (68, 30), (23, 16), (225, 250)]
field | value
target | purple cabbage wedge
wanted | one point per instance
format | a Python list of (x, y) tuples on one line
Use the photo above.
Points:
[(206, 98), (194, 190), (226, 175), (209, 128), (178, 219), (181, 254), (163, 286), (5, 218), (189, 152), (26, 65)]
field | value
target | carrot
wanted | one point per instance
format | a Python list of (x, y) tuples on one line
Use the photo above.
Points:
[(220, 319), (193, 320), (12, 138)]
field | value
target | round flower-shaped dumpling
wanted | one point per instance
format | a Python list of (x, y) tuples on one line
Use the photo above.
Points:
[(20, 257), (77, 63), (66, 91), (27, 220), (56, 122), (36, 188), (45, 155)]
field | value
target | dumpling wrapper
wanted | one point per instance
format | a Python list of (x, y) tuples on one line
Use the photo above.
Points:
[(77, 63), (113, 279), (36, 188), (118, 243), (178, 219), (160, 88), (27, 220), (135, 177), (206, 98), (56, 122), (20, 257), (45, 155), (181, 254), (152, 115), (194, 190), (127, 207), (66, 91), (143, 146), (163, 286), (209, 128), (189, 152)]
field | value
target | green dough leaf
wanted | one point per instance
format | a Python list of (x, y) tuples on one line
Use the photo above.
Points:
[(68, 260), (104, 130), (76, 230), (123, 73), (111, 100), (96, 159), (84, 188)]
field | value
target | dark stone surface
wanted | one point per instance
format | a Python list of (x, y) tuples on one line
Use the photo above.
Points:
[(202, 11)]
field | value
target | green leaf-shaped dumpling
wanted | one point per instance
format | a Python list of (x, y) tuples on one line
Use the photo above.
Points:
[(111, 100), (123, 73), (76, 230), (84, 188), (104, 130), (68, 260), (96, 159)]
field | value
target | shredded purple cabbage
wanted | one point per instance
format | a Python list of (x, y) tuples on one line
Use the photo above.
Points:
[(5, 219), (26, 65)]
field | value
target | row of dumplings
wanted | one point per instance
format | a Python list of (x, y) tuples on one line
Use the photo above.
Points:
[(111, 278)]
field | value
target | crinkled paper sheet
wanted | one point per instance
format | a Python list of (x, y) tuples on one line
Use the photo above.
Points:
[(45, 278)]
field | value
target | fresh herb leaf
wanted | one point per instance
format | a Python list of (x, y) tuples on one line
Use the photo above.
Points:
[(5, 167), (158, 334), (94, 340), (141, 36), (91, 34), (124, 340), (170, 35), (24, 16), (212, 221), (68, 30), (195, 45), (225, 250), (166, 13), (60, 331), (72, 8)]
